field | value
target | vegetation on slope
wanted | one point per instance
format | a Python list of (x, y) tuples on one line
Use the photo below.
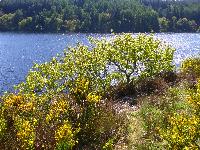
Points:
[(70, 102), (75, 100), (176, 16), (170, 119)]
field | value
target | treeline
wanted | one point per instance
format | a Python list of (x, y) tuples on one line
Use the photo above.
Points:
[(97, 16), (176, 16), (77, 16)]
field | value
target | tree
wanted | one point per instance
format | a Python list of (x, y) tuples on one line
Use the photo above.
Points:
[(26, 24), (183, 24), (71, 25), (6, 22), (138, 57), (18, 16), (164, 24)]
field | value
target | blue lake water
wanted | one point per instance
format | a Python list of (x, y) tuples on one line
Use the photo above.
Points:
[(18, 51)]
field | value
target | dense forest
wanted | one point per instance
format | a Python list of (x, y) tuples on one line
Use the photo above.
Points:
[(99, 16)]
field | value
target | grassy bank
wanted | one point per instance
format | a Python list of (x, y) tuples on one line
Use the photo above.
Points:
[(76, 102)]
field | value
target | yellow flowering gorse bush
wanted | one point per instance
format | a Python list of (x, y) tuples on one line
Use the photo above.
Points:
[(191, 66), (173, 120)]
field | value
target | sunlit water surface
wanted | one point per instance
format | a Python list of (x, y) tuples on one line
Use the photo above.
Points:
[(18, 51)]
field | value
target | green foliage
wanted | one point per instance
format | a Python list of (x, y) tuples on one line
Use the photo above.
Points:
[(108, 145), (6, 22), (80, 16), (164, 24), (183, 24), (101, 16), (176, 16), (198, 29), (182, 128), (71, 25), (25, 23), (139, 57), (194, 99), (34, 122), (135, 57)]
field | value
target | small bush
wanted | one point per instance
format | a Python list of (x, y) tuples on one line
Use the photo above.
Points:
[(63, 123), (182, 131), (172, 120), (151, 85), (190, 67)]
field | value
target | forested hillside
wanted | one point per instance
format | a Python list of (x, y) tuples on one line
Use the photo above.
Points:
[(99, 16), (177, 16)]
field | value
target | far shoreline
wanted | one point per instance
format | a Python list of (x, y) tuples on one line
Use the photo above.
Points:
[(72, 33)]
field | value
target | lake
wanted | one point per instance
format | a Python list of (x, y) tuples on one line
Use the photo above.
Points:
[(18, 51)]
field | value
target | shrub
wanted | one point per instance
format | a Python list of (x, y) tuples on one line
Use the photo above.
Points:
[(33, 124), (172, 120), (138, 57), (151, 85), (190, 67), (127, 57), (182, 129), (62, 123)]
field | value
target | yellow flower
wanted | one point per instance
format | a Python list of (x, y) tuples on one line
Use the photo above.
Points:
[(93, 98)]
